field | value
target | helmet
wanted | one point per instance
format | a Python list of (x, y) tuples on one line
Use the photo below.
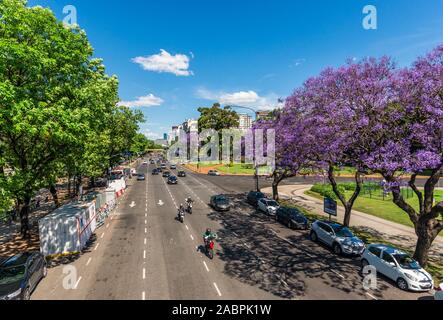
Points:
[(208, 230)]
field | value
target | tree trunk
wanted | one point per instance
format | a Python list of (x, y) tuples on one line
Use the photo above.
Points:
[(92, 182), (275, 191), (424, 242), (24, 218), (54, 194), (69, 186), (347, 218)]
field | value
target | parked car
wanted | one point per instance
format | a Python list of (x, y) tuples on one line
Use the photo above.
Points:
[(155, 172), (172, 180), (268, 206), (166, 174), (20, 275), (220, 203), (398, 266), (173, 167), (337, 236), (253, 197), (141, 177), (181, 174), (292, 218), (213, 173)]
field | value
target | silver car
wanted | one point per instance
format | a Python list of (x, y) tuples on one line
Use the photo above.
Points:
[(268, 206), (338, 237)]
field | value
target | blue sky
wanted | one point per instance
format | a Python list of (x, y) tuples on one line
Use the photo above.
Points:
[(249, 52)]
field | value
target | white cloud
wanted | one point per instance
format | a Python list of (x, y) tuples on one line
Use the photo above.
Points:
[(152, 135), (145, 101), (297, 62), (241, 98), (165, 62)]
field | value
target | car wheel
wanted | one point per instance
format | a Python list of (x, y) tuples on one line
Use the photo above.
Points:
[(26, 294), (289, 224), (337, 249), (313, 236), (364, 264), (402, 284)]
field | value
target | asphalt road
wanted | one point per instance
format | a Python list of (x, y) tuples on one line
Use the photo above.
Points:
[(143, 252)]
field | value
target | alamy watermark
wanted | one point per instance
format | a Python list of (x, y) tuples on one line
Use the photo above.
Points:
[(230, 146), (370, 20)]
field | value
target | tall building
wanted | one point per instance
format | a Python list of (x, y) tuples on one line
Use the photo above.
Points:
[(244, 121), (165, 136), (190, 125)]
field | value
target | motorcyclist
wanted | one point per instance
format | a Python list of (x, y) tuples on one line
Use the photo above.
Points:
[(181, 210), (189, 202), (209, 235)]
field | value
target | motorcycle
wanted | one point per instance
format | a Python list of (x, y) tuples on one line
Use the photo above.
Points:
[(181, 216), (189, 208), (209, 248)]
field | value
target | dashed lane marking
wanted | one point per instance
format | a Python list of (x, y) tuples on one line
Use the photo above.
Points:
[(88, 262), (77, 283), (206, 266), (218, 290)]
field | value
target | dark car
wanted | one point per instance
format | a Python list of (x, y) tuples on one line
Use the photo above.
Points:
[(166, 174), (160, 170), (254, 196), (220, 203), (292, 218), (181, 174), (155, 172), (172, 180), (141, 177), (20, 275)]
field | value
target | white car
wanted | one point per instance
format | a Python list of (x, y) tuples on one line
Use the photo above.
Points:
[(398, 266), (268, 206), (213, 173)]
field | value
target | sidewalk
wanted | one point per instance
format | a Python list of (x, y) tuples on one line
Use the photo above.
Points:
[(390, 231)]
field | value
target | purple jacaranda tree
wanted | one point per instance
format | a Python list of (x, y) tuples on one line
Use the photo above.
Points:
[(342, 110), (413, 142), (290, 152)]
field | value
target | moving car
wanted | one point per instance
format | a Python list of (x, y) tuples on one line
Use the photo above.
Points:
[(398, 266), (338, 237), (145, 163), (173, 167), (20, 275), (155, 172), (166, 174), (163, 166), (181, 174), (268, 206), (292, 218), (213, 173), (141, 177), (253, 197), (172, 180), (220, 203)]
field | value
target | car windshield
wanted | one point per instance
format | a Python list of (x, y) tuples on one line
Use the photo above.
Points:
[(11, 274), (222, 199), (272, 203), (343, 232), (406, 262)]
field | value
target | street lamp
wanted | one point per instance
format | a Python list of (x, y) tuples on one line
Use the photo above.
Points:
[(257, 186)]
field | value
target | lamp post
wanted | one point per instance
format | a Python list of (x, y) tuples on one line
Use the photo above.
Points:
[(257, 186)]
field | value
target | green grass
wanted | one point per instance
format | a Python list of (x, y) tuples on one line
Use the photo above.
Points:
[(384, 209), (435, 268), (236, 169)]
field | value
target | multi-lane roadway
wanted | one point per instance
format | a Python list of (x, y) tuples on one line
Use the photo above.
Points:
[(143, 252)]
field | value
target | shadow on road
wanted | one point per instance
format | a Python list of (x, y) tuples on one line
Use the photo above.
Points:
[(257, 256)]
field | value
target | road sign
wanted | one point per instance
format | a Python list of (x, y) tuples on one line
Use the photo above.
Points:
[(330, 206)]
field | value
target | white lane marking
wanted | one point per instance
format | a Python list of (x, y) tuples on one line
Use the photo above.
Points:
[(235, 234), (96, 247), (88, 262), (103, 234), (146, 214), (143, 295), (107, 226), (247, 245), (77, 283), (146, 221), (206, 266), (337, 273), (144, 254), (146, 230), (187, 228), (370, 295), (146, 240), (192, 237), (144, 273), (216, 288)]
